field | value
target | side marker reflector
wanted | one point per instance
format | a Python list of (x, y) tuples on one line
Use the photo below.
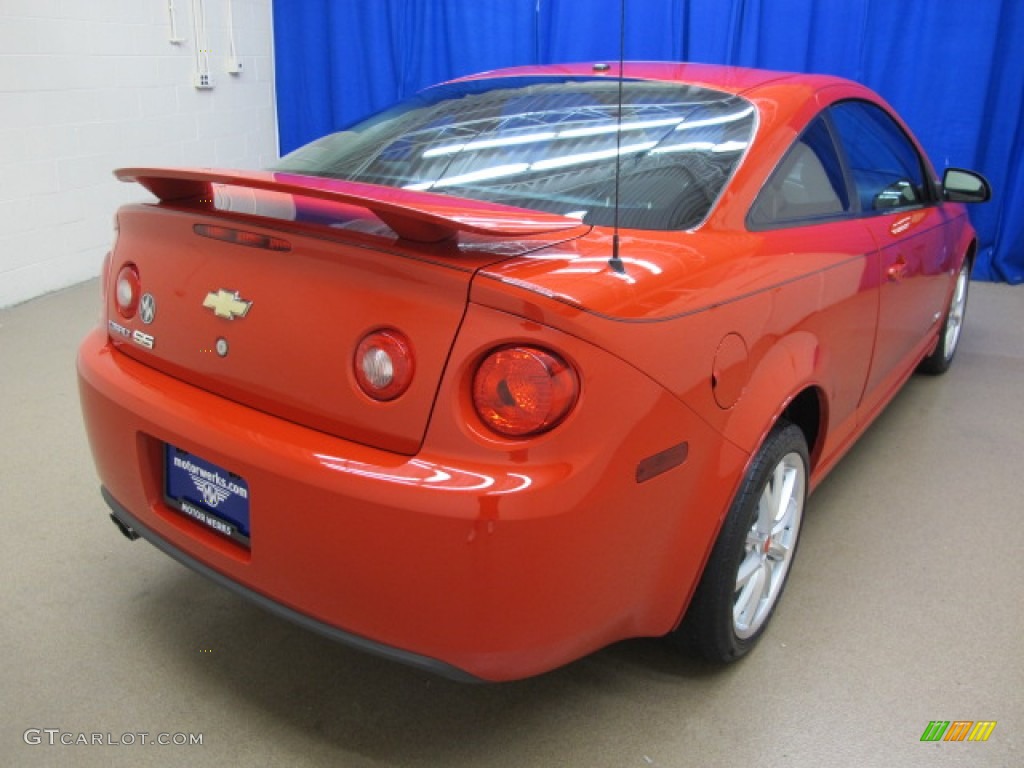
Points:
[(662, 462)]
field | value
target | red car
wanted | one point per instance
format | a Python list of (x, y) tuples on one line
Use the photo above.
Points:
[(533, 362)]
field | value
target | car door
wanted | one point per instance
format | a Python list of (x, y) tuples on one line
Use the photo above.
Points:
[(900, 208), (808, 219)]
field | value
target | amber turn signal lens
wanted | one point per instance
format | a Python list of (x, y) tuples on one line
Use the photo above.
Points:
[(127, 291), (384, 364), (521, 391)]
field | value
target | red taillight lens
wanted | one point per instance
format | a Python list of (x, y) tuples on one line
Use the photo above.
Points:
[(520, 391), (384, 364), (127, 291)]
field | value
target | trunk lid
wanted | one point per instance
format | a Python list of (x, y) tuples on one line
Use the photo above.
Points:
[(261, 289)]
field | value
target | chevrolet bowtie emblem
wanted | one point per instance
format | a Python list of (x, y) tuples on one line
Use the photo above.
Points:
[(226, 304)]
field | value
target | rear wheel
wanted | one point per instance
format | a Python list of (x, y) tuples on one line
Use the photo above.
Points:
[(949, 336), (747, 571)]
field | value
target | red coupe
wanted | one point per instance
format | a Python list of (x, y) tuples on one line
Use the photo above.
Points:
[(530, 363)]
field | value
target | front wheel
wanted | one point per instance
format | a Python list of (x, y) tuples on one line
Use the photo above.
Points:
[(747, 571), (949, 336)]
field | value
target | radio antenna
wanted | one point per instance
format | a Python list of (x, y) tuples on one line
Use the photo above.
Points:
[(615, 262)]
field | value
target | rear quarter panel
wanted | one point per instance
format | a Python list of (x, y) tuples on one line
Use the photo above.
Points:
[(797, 309)]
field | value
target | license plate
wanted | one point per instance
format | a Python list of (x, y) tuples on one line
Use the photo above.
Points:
[(208, 494)]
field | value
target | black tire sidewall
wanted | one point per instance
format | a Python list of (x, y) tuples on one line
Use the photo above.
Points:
[(709, 621), (939, 361)]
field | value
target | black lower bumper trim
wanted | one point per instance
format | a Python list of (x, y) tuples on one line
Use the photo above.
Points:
[(126, 519)]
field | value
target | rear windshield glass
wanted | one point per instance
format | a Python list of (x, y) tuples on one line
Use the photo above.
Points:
[(550, 145)]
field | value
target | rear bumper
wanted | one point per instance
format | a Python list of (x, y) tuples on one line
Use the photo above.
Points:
[(474, 564), (124, 518)]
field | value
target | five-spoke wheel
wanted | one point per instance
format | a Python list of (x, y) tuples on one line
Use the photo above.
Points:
[(949, 336), (747, 571)]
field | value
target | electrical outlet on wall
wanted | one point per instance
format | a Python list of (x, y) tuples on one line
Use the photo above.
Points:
[(234, 66), (201, 77)]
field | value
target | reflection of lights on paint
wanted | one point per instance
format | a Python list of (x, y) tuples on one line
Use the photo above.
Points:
[(650, 266), (525, 482), (589, 265), (553, 256), (427, 474), (626, 278)]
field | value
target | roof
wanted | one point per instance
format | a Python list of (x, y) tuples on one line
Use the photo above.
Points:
[(736, 80)]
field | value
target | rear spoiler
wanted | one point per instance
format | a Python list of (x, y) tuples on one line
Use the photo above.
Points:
[(418, 216)]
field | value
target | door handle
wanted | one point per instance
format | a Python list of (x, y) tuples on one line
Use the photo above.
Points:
[(897, 270)]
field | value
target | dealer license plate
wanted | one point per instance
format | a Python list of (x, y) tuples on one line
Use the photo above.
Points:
[(208, 494)]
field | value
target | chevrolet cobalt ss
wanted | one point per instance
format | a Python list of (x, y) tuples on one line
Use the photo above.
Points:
[(527, 364)]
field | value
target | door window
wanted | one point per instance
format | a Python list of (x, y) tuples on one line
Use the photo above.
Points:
[(886, 168)]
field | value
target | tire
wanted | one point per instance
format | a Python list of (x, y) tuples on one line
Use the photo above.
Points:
[(751, 559), (949, 335)]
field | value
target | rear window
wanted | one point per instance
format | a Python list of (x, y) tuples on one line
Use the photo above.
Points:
[(550, 145)]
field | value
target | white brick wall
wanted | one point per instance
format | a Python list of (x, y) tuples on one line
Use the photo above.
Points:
[(87, 86)]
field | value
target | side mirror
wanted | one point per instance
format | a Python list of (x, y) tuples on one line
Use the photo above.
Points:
[(961, 186)]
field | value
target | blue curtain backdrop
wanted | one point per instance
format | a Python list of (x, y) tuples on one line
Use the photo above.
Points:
[(954, 69)]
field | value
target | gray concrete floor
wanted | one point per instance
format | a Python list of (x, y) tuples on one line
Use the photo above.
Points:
[(905, 605)]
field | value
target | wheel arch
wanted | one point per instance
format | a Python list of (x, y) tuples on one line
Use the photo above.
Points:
[(807, 411), (802, 402), (971, 254), (786, 384)]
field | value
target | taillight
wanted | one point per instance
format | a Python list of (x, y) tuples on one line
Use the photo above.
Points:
[(127, 291), (384, 364), (521, 391)]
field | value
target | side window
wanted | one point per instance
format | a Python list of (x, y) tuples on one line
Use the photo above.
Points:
[(885, 166), (808, 184)]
